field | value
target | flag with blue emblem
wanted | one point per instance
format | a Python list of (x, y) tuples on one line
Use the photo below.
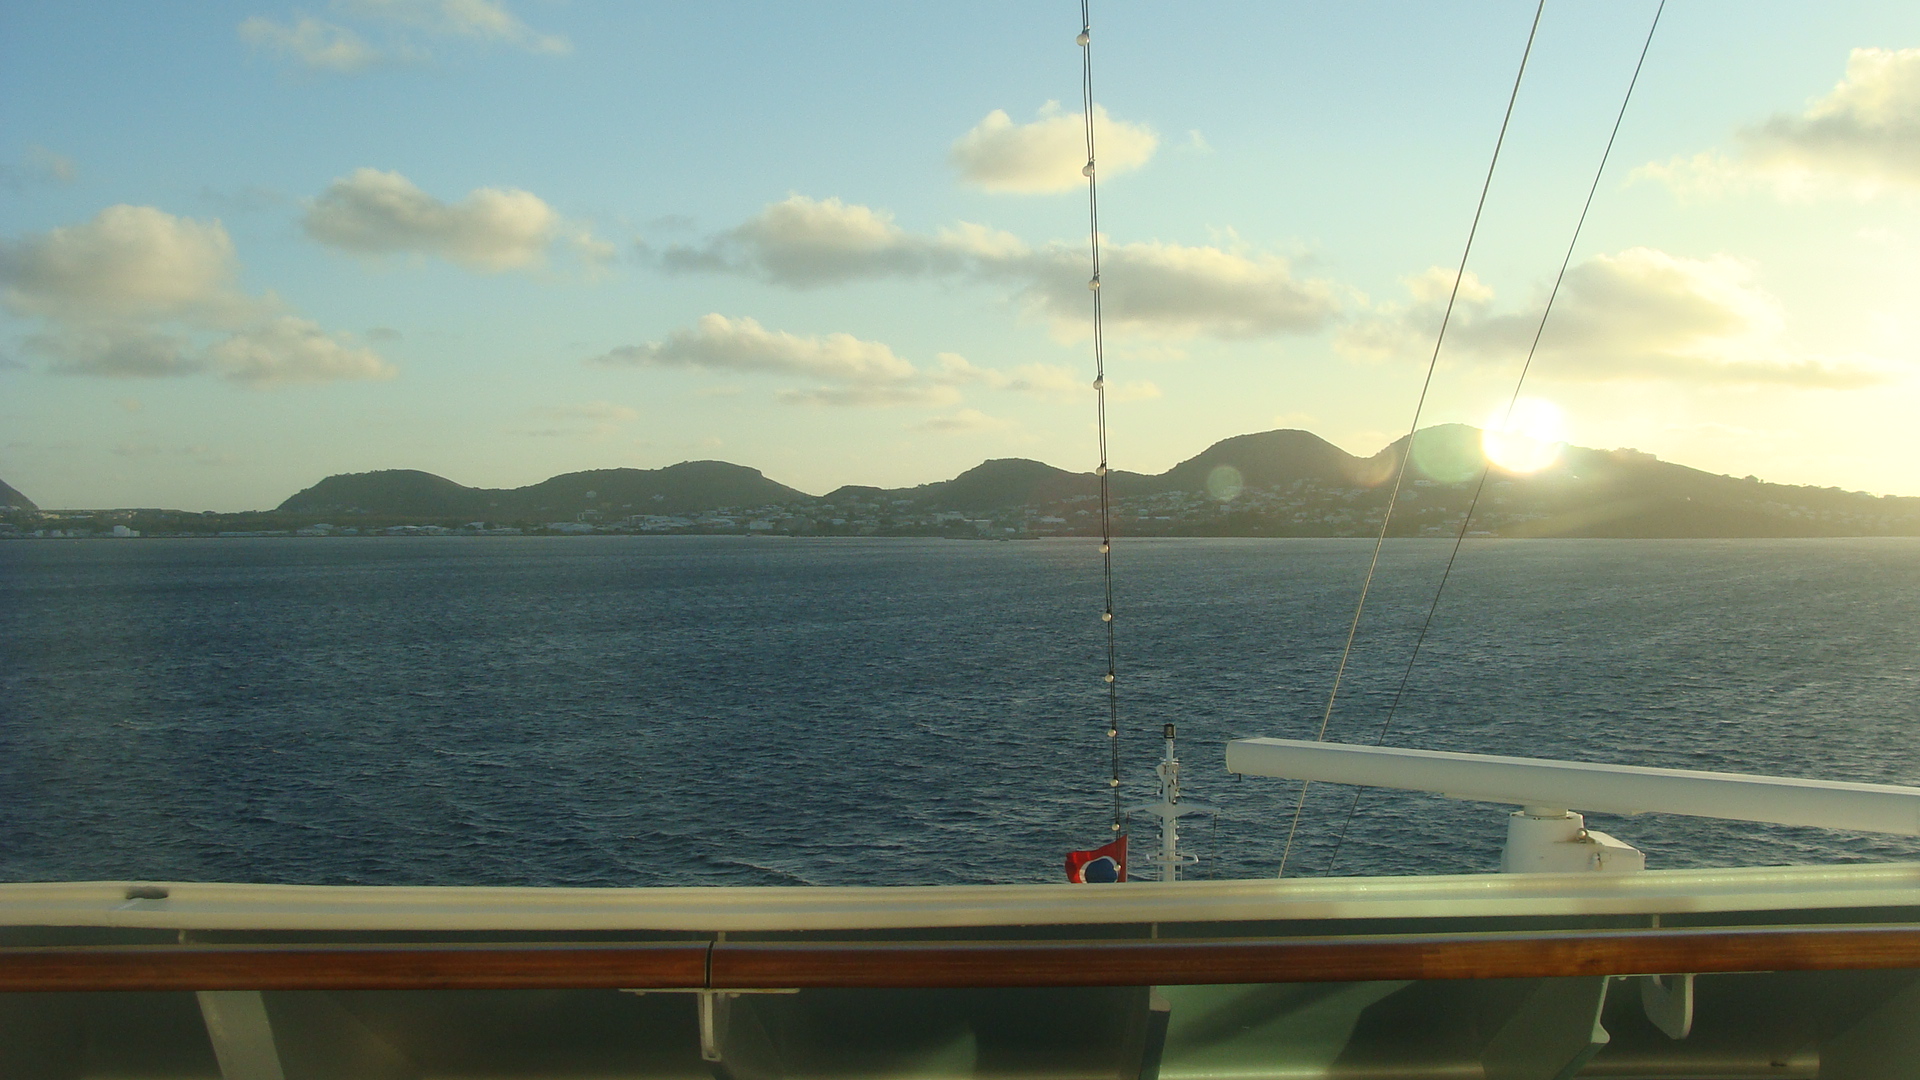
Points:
[(1103, 864)]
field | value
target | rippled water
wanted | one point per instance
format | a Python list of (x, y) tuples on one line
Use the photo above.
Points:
[(617, 710)]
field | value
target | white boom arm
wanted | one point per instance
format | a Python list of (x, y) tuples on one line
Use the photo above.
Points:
[(1607, 789)]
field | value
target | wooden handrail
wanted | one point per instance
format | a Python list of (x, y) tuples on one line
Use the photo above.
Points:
[(1167, 963), (731, 964), (516, 966)]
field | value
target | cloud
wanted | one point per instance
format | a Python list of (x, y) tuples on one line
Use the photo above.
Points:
[(963, 421), (1167, 290), (379, 213), (1048, 154), (718, 343), (1176, 290), (138, 292), (1049, 381), (486, 21), (872, 396), (1862, 138), (860, 372), (39, 165), (407, 29), (803, 243), (599, 412), (592, 418), (1640, 314), (199, 453), (292, 350), (312, 44)]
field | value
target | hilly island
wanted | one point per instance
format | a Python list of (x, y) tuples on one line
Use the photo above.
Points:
[(1273, 483)]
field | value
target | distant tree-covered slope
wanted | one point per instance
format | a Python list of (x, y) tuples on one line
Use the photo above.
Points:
[(688, 487), (11, 497), (1273, 483)]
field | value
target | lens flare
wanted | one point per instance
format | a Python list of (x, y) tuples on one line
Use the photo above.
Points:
[(1224, 483), (1527, 438)]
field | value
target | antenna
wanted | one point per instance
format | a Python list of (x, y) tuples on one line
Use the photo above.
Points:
[(1170, 810)]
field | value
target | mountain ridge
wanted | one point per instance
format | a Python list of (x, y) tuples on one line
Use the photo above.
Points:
[(10, 497), (1280, 482)]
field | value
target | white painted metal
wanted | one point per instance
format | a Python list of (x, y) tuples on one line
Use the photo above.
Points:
[(214, 906), (242, 1036), (1560, 843), (1578, 785), (1170, 810), (1668, 1002)]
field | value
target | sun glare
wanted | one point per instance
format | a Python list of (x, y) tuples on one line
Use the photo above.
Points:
[(1527, 438)]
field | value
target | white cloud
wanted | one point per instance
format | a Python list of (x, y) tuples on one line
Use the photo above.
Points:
[(128, 263), (861, 372), (872, 396), (596, 419), (1862, 138), (1140, 390), (138, 292), (1177, 290), (964, 420), (1050, 153), (292, 350), (377, 213), (1168, 290), (1640, 314), (802, 242), (407, 32), (311, 43), (599, 412), (481, 20), (718, 343), (39, 165)]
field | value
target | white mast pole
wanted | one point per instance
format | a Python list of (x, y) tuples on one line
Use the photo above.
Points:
[(1170, 810)]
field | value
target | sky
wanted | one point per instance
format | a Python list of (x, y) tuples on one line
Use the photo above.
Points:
[(245, 246)]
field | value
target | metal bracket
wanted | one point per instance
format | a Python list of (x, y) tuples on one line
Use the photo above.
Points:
[(241, 1034), (1669, 1004), (713, 1012)]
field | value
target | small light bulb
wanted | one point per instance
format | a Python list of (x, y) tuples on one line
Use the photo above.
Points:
[(1106, 616), (1109, 676), (1087, 169), (1083, 38)]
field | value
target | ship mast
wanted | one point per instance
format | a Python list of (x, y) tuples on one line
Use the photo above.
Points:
[(1170, 810)]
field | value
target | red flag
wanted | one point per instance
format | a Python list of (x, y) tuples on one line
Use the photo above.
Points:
[(1102, 864)]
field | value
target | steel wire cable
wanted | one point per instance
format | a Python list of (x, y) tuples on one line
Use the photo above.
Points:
[(1406, 456), (1506, 419), (1085, 41)]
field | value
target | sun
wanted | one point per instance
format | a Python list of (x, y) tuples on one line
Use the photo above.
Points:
[(1525, 438)]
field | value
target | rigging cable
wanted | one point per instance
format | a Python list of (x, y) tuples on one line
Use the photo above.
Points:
[(1487, 466), (1406, 456), (1085, 41)]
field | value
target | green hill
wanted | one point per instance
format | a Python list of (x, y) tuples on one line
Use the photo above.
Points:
[(689, 487), (11, 499)]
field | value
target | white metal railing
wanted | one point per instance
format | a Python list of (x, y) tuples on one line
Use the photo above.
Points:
[(1570, 785)]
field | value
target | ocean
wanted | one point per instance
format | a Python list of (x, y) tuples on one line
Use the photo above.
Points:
[(752, 711)]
